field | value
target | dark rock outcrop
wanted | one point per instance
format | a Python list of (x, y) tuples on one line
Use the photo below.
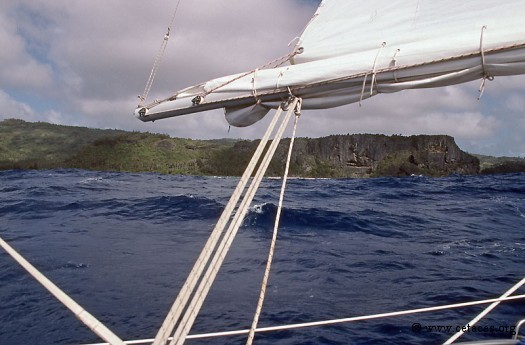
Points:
[(362, 155), (509, 167), (25, 145)]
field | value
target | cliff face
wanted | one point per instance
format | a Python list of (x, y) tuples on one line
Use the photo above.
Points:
[(25, 145), (362, 155)]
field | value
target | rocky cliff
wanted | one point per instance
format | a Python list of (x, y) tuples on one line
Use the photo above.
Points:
[(364, 155), (25, 145), (397, 155)]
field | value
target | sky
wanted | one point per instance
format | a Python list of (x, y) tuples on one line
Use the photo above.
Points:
[(85, 62)]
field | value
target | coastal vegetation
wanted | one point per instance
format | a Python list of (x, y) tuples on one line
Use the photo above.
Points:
[(26, 145)]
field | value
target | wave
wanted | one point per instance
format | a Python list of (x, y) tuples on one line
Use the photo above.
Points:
[(321, 220), (162, 207), (124, 244)]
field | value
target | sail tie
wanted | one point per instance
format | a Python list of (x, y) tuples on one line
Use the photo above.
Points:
[(373, 72), (486, 74), (269, 261), (254, 88), (363, 88), (281, 74), (275, 63), (374, 69), (394, 63)]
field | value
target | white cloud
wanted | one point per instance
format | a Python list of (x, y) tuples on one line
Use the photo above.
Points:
[(462, 125), (87, 60), (20, 70), (101, 52), (516, 103), (14, 109)]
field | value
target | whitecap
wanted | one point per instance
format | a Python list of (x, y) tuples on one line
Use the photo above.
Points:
[(91, 179)]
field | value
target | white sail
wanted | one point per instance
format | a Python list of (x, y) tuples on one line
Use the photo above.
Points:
[(352, 50)]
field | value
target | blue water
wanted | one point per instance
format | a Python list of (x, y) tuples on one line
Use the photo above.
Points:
[(122, 245)]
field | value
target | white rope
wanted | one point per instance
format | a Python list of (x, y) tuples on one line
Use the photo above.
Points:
[(158, 58), (338, 321), (485, 312), (482, 52), (189, 317), (360, 318), (486, 75), (374, 76), (363, 89), (254, 88), (89, 320), (374, 73), (394, 64), (518, 327), (266, 276), (197, 271), (279, 61), (198, 268)]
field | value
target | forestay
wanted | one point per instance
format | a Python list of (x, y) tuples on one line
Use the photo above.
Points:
[(352, 50)]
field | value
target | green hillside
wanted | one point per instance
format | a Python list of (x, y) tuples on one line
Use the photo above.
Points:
[(145, 152), (39, 145), (25, 145)]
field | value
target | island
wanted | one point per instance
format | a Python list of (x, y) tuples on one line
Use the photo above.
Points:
[(40, 145)]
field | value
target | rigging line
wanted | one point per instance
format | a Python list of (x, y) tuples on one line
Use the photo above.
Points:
[(337, 321), (158, 58), (89, 320), (281, 61), (394, 65), (518, 327), (363, 89), (486, 311), (297, 39), (204, 257), (360, 318), (214, 264), (189, 317), (374, 69), (361, 74), (262, 294), (486, 74), (373, 72), (254, 88)]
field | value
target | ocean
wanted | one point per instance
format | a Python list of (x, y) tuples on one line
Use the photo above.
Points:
[(122, 244)]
